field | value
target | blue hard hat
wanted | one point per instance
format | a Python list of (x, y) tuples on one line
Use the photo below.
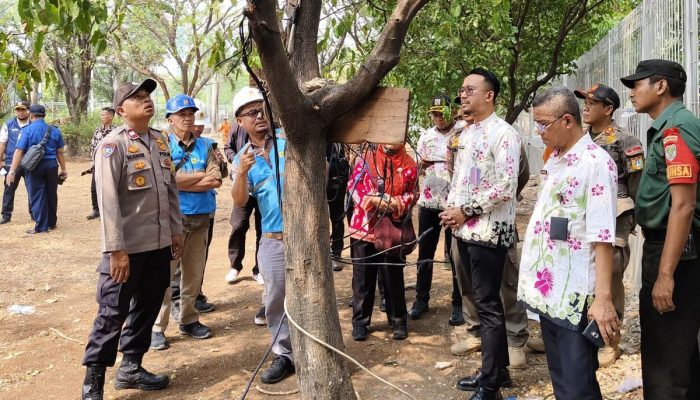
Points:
[(179, 102)]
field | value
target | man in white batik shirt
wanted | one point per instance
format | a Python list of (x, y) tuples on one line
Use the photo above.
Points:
[(566, 262), (481, 213)]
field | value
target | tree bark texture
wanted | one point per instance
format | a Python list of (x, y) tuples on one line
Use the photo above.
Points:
[(306, 118)]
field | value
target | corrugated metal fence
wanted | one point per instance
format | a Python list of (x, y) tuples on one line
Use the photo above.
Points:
[(666, 29)]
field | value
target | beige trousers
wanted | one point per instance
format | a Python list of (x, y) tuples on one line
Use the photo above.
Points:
[(194, 229)]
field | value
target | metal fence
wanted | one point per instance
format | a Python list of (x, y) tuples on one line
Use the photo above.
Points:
[(666, 29)]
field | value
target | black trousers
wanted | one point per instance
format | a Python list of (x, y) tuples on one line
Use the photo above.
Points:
[(128, 310), (8, 194), (93, 193), (485, 266), (364, 281), (240, 222), (429, 218), (670, 361), (335, 193), (572, 361)]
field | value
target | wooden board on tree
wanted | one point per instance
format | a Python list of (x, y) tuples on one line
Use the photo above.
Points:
[(381, 118)]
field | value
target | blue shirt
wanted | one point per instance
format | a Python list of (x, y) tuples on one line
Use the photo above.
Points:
[(33, 134), (262, 184), (192, 203)]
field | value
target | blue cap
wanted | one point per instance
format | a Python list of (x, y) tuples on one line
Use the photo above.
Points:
[(179, 102), (37, 109)]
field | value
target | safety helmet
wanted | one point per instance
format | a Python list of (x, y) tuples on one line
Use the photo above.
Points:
[(244, 97), (179, 102), (200, 116)]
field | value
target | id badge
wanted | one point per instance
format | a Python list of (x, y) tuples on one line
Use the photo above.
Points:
[(475, 175)]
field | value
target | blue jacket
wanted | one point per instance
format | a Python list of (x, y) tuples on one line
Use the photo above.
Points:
[(33, 134)]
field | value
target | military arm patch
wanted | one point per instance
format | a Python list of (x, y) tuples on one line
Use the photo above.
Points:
[(681, 164)]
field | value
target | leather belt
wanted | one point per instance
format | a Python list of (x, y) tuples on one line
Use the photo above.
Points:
[(274, 235), (659, 235)]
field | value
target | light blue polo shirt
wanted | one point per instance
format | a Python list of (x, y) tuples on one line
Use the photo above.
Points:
[(262, 185)]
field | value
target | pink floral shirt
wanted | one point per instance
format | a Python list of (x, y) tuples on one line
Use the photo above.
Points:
[(486, 176), (557, 277)]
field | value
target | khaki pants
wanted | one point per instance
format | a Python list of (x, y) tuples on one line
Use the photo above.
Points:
[(195, 230), (515, 314)]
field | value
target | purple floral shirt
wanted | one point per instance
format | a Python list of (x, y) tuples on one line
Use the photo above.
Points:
[(557, 277), (486, 177)]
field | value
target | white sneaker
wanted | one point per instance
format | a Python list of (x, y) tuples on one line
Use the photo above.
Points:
[(232, 276), (258, 278)]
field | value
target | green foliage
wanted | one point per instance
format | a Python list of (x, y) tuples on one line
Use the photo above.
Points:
[(17, 68), (516, 39)]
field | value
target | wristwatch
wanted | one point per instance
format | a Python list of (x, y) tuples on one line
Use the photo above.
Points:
[(468, 211)]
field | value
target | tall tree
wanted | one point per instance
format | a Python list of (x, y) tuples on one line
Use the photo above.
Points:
[(306, 117), (72, 33), (174, 39)]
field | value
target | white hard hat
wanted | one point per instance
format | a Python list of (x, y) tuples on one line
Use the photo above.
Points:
[(244, 97), (200, 116)]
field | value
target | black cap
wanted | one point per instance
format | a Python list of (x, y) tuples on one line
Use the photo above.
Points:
[(438, 102), (648, 68), (128, 89), (22, 104), (37, 110), (599, 92)]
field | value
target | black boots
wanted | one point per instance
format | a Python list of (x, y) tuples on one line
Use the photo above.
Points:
[(131, 375), (93, 385)]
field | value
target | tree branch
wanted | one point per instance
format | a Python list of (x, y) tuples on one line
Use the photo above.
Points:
[(281, 80), (304, 58), (382, 59)]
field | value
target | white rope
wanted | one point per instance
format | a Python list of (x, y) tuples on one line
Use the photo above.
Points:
[(322, 343)]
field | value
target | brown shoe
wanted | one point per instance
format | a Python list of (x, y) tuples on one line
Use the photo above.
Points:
[(536, 344), (470, 345), (608, 355), (518, 359)]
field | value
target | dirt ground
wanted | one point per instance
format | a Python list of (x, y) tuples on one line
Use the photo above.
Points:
[(40, 354)]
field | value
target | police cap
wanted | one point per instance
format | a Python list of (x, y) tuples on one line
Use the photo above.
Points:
[(602, 93), (648, 68), (128, 89)]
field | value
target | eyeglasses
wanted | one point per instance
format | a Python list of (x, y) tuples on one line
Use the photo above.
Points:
[(468, 90), (541, 127), (435, 115), (252, 113)]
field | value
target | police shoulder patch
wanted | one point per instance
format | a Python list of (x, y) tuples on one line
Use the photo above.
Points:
[(108, 149)]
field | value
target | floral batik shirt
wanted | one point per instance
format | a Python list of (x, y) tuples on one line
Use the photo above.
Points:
[(557, 277), (433, 148), (486, 177)]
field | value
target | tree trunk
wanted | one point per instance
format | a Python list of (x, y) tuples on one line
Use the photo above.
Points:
[(310, 291)]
